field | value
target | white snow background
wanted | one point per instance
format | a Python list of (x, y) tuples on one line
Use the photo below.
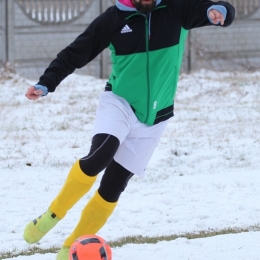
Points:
[(204, 175)]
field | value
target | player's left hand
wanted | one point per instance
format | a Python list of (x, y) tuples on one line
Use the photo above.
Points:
[(33, 94), (216, 17)]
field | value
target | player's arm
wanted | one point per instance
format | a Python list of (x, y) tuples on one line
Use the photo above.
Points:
[(79, 53), (199, 13)]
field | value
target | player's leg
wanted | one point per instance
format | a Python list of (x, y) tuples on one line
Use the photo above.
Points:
[(132, 156), (100, 206), (112, 118), (79, 181)]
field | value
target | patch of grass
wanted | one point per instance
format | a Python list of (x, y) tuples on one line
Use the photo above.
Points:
[(137, 240), (30, 251), (154, 240)]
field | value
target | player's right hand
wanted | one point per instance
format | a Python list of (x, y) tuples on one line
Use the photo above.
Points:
[(216, 17), (33, 94)]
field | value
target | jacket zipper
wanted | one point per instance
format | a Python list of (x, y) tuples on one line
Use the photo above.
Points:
[(147, 67), (148, 60), (148, 64)]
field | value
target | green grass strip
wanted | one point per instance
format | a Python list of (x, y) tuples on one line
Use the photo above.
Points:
[(136, 240)]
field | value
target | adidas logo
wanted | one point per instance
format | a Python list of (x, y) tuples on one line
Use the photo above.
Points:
[(126, 29)]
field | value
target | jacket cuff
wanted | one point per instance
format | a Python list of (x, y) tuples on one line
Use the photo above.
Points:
[(43, 88)]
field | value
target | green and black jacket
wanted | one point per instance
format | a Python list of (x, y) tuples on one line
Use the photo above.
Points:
[(146, 52)]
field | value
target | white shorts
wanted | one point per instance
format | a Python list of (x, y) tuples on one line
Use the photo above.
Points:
[(137, 140)]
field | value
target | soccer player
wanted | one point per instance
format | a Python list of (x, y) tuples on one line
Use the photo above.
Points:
[(146, 39)]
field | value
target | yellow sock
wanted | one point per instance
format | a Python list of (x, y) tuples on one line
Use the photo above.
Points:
[(92, 219), (76, 185)]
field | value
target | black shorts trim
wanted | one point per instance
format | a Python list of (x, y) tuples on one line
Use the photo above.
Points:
[(164, 114)]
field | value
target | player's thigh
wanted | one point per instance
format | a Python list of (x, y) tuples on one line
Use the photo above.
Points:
[(137, 149), (112, 116)]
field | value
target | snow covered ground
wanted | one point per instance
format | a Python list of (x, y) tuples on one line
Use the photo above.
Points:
[(204, 175)]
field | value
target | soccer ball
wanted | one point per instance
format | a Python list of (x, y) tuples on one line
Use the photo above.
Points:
[(90, 247)]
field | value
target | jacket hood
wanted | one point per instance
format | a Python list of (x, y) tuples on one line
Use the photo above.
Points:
[(123, 7)]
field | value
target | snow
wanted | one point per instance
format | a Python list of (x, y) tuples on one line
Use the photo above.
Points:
[(203, 176)]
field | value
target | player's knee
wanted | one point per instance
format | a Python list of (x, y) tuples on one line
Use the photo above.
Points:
[(114, 182), (102, 151)]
